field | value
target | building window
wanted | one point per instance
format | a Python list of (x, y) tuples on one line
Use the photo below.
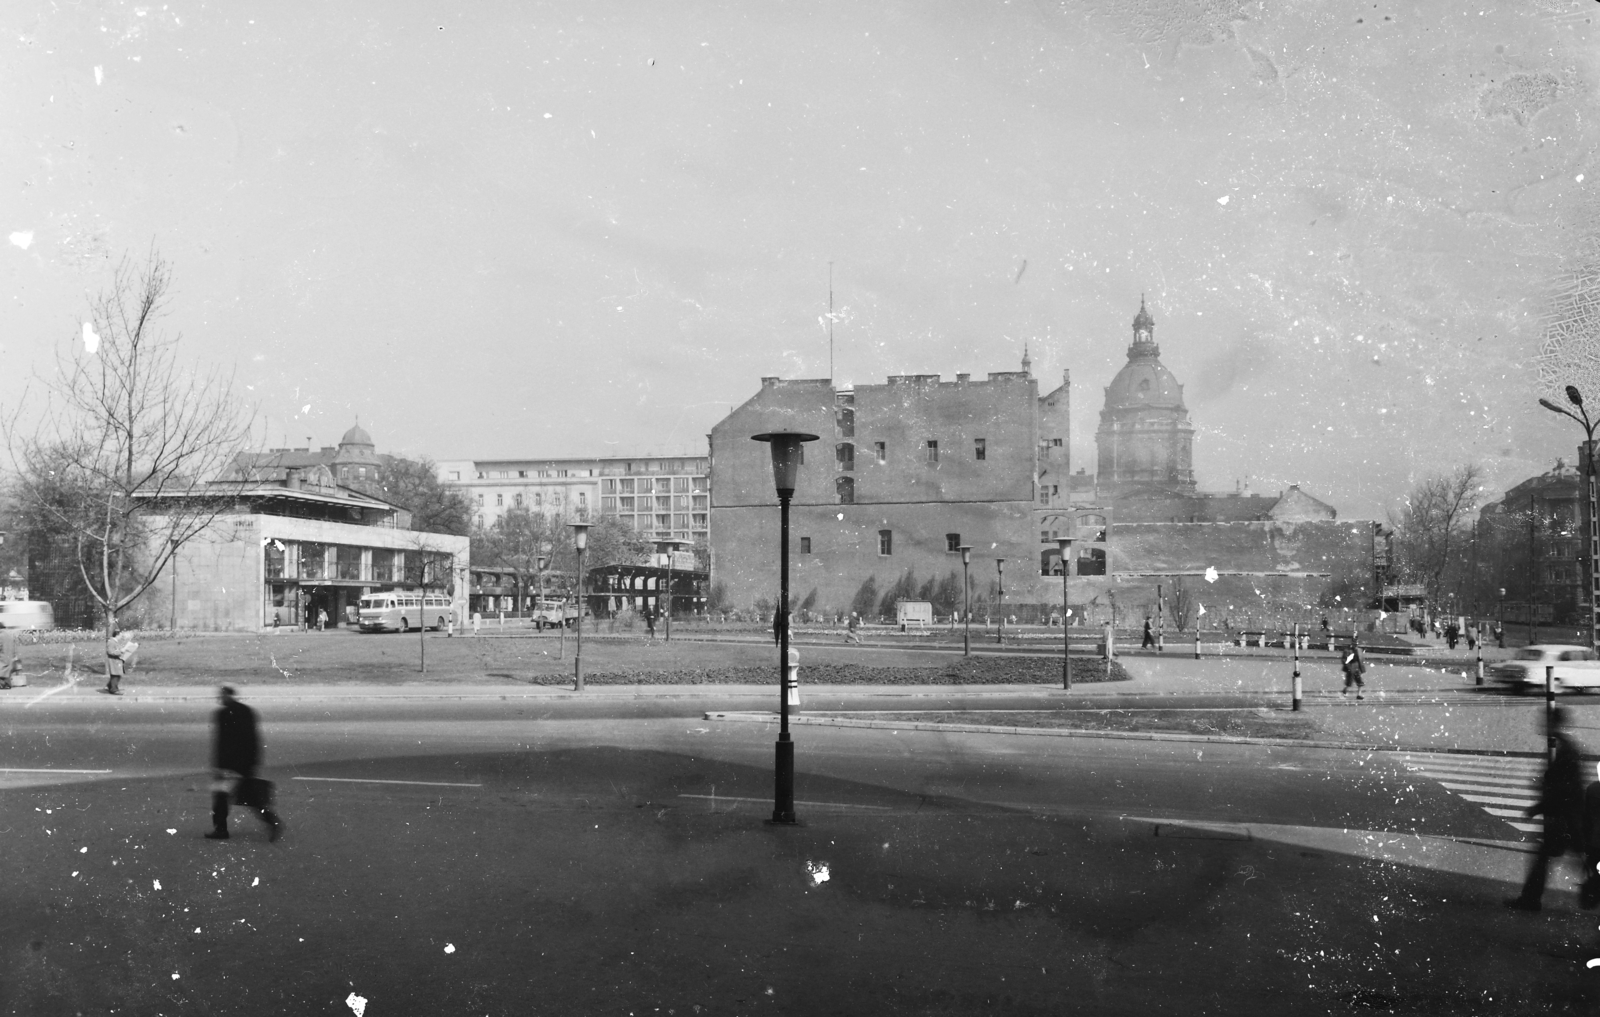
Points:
[(845, 452), (980, 448), (699, 520), (480, 501), (522, 474), (933, 451), (680, 483), (702, 484), (499, 500), (664, 522), (882, 450), (516, 500), (885, 542), (805, 545), (608, 503), (845, 488), (608, 487), (663, 503), (627, 504), (625, 486), (1056, 442), (702, 501), (952, 541), (847, 422), (680, 501), (455, 474)]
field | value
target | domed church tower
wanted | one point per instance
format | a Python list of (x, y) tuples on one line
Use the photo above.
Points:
[(1145, 440)]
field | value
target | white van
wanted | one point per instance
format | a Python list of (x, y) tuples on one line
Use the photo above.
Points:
[(26, 614)]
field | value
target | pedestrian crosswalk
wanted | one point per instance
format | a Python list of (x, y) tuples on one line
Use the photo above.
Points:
[(1503, 786)]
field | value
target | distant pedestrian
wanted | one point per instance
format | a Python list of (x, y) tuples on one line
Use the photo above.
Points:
[(115, 648), (322, 619), (1561, 799), (1472, 637), (1354, 666), (780, 622), (10, 663), (1452, 634), (277, 619), (650, 623), (1499, 636), (237, 749), (852, 628), (1149, 638)]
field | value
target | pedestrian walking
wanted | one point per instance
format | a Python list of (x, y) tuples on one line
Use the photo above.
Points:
[(322, 619), (1590, 894), (236, 748), (650, 623), (1499, 636), (115, 649), (1561, 800), (1354, 667), (10, 663), (1149, 638), (852, 627)]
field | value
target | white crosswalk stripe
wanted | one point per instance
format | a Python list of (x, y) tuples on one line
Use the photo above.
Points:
[(1504, 787)]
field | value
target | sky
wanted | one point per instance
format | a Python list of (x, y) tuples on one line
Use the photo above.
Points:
[(1367, 231)]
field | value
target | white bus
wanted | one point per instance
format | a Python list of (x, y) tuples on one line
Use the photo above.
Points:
[(404, 610)]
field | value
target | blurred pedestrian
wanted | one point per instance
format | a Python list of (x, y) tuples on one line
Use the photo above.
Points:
[(1149, 638), (1590, 894), (780, 622), (322, 619), (852, 628), (1354, 667), (237, 749), (10, 663), (1452, 634), (114, 652), (1561, 800), (650, 622), (1499, 636)]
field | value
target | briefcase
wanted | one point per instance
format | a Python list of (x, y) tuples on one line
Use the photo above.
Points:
[(253, 792)]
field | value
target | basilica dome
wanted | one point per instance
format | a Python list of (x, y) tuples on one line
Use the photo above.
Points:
[(1145, 439)]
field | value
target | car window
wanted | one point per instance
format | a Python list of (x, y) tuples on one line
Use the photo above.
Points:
[(1529, 653)]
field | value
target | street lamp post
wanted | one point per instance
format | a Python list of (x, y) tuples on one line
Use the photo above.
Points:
[(787, 453), (1000, 599), (174, 562), (671, 544), (966, 600), (580, 541), (1066, 640), (1576, 399)]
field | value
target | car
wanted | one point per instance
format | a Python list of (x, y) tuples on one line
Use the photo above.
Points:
[(26, 614), (555, 614), (1576, 668)]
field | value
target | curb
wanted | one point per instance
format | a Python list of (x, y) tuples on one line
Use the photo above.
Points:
[(1152, 736)]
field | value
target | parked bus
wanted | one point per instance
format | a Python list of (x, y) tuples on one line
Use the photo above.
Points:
[(403, 610)]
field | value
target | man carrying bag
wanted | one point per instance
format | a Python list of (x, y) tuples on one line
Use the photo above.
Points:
[(237, 748)]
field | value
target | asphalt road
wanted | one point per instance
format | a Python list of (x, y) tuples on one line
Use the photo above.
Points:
[(489, 857)]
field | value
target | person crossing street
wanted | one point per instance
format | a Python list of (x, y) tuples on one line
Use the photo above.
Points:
[(237, 748)]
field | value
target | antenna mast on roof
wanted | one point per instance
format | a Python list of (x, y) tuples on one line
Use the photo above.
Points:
[(830, 322)]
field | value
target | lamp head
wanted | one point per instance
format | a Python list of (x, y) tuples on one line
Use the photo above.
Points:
[(966, 554), (785, 456), (543, 562), (580, 535), (1573, 396), (1547, 404), (1000, 564), (1065, 543)]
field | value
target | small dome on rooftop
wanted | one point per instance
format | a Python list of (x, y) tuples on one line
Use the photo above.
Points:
[(356, 436)]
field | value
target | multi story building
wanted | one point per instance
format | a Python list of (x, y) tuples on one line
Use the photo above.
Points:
[(661, 497), (905, 474), (1531, 544)]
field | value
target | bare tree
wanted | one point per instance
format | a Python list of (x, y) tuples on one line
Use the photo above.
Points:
[(517, 541), (115, 472), (1432, 531)]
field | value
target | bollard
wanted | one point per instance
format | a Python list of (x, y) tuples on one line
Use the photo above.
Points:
[(450, 629), (791, 678), (1111, 646), (1197, 640), (1480, 662), (1297, 668), (1550, 709)]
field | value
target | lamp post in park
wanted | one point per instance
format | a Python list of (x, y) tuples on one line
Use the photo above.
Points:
[(1066, 639), (1576, 399), (1000, 573), (788, 451), (580, 541), (966, 600), (671, 546)]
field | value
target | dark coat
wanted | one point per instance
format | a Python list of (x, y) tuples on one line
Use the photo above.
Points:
[(1561, 798), (1591, 818), (237, 746)]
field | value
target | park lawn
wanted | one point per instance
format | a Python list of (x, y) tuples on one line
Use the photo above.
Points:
[(346, 657)]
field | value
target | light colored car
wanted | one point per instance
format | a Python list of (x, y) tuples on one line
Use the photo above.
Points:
[(1576, 668), (555, 614), (26, 614)]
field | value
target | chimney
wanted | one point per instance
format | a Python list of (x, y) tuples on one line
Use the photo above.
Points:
[(291, 478)]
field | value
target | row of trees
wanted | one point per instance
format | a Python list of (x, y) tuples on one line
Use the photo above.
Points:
[(520, 538)]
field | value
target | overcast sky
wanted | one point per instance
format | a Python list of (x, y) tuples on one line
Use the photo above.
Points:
[(577, 228)]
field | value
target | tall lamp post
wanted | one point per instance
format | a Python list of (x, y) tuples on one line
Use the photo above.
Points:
[(966, 600), (787, 452), (1000, 571), (1066, 639), (1576, 399), (671, 544), (580, 541), (174, 562)]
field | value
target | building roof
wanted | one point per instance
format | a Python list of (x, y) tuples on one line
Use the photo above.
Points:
[(356, 436)]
